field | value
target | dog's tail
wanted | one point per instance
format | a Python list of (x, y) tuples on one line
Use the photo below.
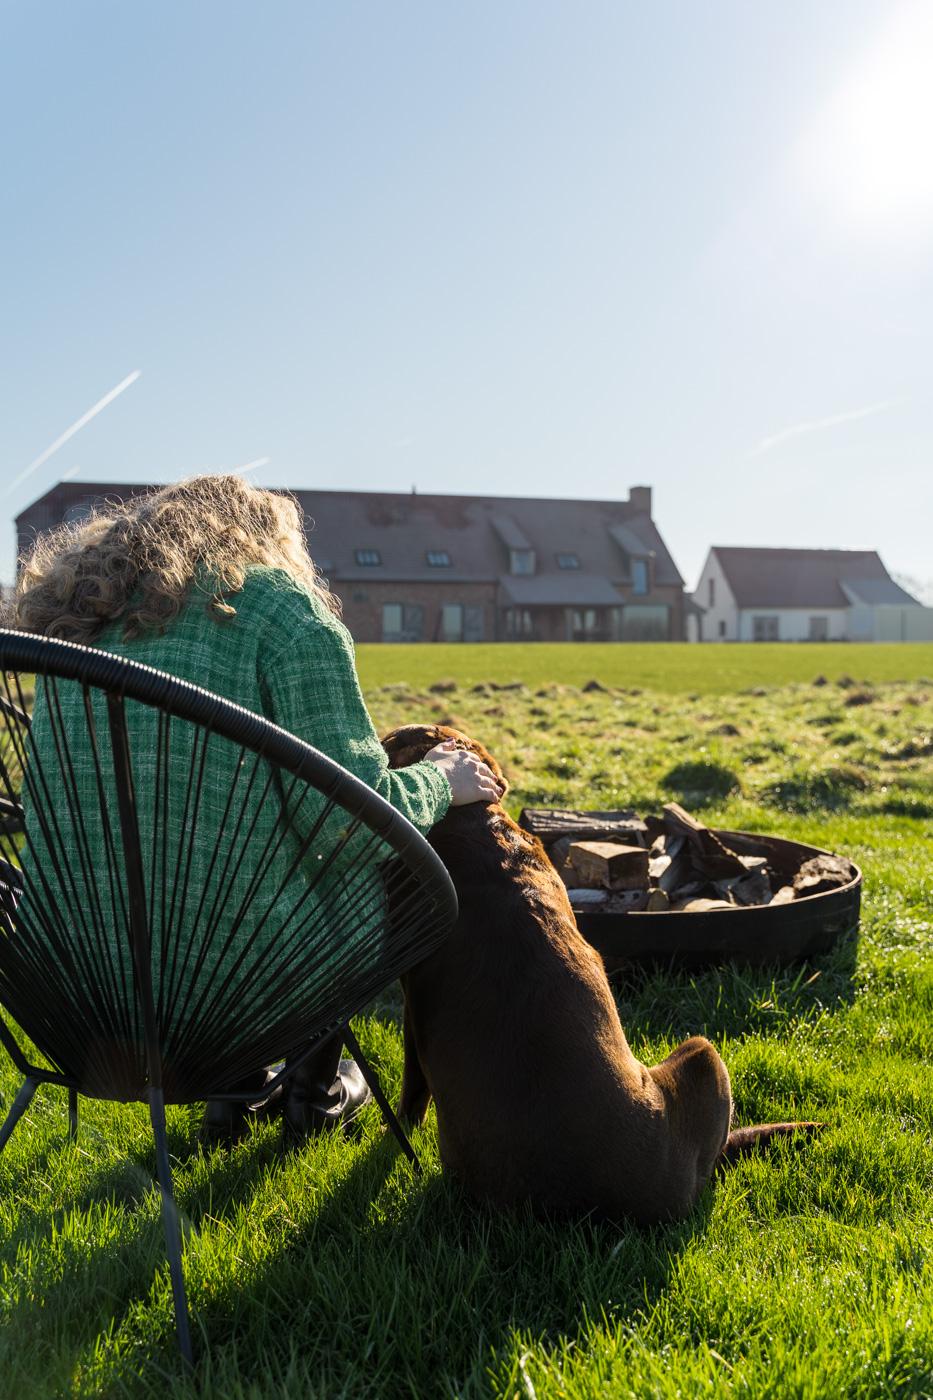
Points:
[(742, 1141)]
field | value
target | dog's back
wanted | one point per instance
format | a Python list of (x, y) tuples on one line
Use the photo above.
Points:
[(538, 1095), (512, 1027)]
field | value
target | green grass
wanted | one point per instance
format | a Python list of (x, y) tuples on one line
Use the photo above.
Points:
[(669, 666), (335, 1272)]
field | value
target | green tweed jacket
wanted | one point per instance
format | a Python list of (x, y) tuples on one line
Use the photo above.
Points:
[(285, 656)]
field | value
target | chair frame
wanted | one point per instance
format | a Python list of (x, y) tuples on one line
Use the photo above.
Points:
[(121, 680)]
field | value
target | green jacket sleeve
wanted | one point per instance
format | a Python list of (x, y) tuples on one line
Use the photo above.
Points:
[(313, 691)]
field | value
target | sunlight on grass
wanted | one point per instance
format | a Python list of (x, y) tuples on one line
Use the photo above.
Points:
[(336, 1272), (669, 666)]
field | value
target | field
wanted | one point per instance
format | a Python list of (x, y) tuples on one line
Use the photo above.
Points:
[(335, 1272), (670, 667)]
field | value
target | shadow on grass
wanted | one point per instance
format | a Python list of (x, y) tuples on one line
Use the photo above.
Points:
[(407, 1281), (75, 1270), (389, 1283), (733, 1001)]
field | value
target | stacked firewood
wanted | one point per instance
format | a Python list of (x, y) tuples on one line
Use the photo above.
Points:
[(617, 862)]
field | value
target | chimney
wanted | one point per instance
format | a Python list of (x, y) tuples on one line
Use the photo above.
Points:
[(639, 498)]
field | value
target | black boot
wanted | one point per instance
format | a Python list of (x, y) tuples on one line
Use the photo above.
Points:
[(227, 1121), (324, 1093)]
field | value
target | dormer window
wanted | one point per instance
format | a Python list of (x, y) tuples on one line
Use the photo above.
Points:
[(368, 558), (438, 558), (639, 576), (521, 561), (568, 561)]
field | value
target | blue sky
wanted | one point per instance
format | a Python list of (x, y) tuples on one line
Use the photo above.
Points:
[(522, 248)]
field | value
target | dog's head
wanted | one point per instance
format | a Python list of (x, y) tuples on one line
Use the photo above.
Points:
[(410, 742)]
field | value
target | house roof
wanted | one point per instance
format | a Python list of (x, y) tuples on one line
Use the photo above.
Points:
[(628, 541), (569, 587), (475, 531), (807, 578), (876, 590)]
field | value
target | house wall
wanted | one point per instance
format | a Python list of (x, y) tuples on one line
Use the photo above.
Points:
[(794, 623), (719, 622), (858, 623), (362, 604), (363, 601), (671, 598), (861, 623), (903, 624), (363, 598)]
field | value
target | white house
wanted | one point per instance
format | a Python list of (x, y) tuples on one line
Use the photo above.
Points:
[(800, 595)]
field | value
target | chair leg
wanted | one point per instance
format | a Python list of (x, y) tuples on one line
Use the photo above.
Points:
[(20, 1104), (372, 1079), (171, 1223), (73, 1114)]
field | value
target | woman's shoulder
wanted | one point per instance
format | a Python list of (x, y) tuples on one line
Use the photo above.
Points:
[(280, 603)]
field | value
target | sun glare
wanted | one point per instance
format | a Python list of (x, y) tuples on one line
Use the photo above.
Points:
[(869, 153)]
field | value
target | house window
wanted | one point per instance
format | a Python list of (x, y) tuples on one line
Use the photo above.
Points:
[(438, 558), (519, 622), (712, 592), (646, 622), (473, 624), (568, 561), (521, 561), (582, 624), (367, 558), (722, 625), (451, 622), (819, 629), (764, 629), (402, 622), (640, 576)]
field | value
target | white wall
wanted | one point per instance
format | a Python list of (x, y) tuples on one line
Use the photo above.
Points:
[(722, 609), (861, 623), (907, 624), (723, 621), (858, 623), (794, 623)]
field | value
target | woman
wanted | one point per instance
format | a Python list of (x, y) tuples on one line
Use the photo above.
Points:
[(209, 579)]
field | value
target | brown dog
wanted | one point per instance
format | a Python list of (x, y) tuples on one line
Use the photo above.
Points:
[(512, 1027)]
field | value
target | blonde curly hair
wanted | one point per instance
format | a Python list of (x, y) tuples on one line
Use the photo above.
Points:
[(139, 561)]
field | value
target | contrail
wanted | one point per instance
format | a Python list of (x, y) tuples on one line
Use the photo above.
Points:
[(75, 428), (817, 425), (252, 466)]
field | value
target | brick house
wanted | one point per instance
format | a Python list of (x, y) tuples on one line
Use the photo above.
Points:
[(411, 567)]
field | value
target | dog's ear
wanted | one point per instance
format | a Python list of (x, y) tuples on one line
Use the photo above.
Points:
[(410, 742)]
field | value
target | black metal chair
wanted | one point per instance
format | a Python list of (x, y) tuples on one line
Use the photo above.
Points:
[(161, 941)]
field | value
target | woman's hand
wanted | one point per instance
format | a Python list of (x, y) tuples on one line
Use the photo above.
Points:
[(471, 780)]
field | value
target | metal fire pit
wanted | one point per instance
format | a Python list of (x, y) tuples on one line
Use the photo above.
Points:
[(754, 935)]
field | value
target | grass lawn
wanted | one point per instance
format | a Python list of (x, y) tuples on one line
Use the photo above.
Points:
[(335, 1272), (668, 666)]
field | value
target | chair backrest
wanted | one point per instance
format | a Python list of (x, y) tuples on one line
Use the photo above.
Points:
[(195, 892)]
